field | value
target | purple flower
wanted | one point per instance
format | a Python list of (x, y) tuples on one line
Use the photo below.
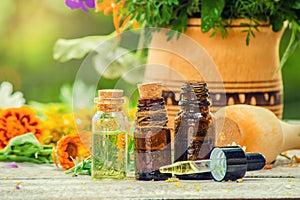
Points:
[(19, 185), (9, 165), (82, 4)]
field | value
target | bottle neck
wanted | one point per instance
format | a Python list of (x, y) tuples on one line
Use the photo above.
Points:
[(195, 98), (151, 113), (189, 107), (108, 108)]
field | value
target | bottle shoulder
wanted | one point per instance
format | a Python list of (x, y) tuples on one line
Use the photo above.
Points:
[(121, 117), (109, 121), (185, 115)]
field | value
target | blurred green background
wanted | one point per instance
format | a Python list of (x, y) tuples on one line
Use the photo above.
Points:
[(28, 32), (29, 29)]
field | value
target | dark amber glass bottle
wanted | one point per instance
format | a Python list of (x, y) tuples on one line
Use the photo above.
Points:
[(194, 133), (152, 140)]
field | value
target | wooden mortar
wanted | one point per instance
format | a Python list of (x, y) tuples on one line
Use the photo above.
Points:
[(256, 128)]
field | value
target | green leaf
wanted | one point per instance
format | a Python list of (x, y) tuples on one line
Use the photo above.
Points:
[(21, 140), (165, 13), (276, 22), (82, 168), (296, 4), (113, 61), (26, 148), (293, 43), (65, 50), (210, 13), (15, 158), (248, 39), (66, 94), (292, 3), (170, 34)]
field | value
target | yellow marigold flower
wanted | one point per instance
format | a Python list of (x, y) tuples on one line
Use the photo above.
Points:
[(68, 149), (57, 124), (18, 121)]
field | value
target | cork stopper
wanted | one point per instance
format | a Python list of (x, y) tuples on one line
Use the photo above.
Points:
[(110, 96), (110, 93), (150, 90)]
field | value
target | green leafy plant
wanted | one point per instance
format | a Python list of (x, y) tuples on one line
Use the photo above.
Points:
[(81, 168), (217, 15), (26, 148)]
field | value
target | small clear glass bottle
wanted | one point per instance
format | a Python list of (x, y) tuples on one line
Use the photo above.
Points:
[(109, 136), (194, 133)]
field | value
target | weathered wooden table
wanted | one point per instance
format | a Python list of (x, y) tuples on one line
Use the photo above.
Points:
[(33, 181)]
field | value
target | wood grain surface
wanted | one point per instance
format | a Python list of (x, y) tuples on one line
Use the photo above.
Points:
[(33, 181)]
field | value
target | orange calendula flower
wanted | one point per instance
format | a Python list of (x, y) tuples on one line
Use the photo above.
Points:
[(68, 149), (18, 121)]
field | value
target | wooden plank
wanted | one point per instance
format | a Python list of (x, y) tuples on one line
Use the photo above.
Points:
[(48, 182)]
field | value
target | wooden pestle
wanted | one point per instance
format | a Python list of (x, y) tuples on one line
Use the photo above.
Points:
[(256, 128)]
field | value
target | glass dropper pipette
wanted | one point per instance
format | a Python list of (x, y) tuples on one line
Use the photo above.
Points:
[(225, 163)]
